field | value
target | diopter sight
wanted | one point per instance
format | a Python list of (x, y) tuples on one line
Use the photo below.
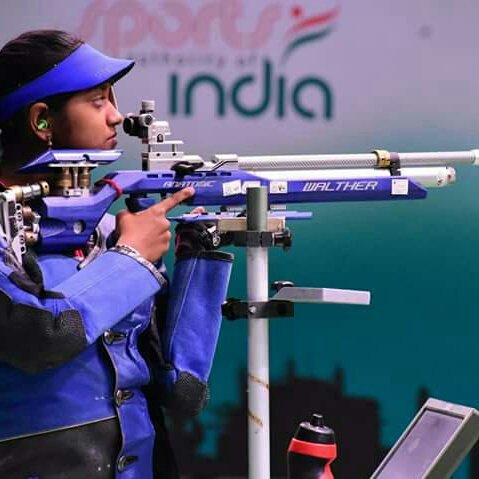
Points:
[(161, 154), (145, 126)]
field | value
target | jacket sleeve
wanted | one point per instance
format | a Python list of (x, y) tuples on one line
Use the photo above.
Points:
[(189, 331), (44, 331)]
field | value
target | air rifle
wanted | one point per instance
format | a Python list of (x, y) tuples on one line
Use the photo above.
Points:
[(63, 215)]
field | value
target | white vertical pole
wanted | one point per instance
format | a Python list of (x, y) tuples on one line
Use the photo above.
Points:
[(258, 342)]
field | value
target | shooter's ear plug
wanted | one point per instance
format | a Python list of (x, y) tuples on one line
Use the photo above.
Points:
[(42, 124)]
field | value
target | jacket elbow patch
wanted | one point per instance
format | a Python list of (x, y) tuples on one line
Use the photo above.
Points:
[(33, 339), (188, 395)]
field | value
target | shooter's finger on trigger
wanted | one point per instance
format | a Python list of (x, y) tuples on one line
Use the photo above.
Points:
[(175, 199)]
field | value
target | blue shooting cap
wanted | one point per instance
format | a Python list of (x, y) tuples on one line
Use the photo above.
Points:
[(84, 68)]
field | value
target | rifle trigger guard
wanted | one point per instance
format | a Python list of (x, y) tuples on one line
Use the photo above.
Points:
[(183, 168)]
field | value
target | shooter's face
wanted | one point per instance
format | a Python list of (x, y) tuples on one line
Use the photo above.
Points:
[(88, 120)]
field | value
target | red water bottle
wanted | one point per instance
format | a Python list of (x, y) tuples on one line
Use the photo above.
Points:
[(312, 450)]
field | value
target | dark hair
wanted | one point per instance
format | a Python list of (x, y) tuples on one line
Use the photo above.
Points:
[(27, 57), (32, 54)]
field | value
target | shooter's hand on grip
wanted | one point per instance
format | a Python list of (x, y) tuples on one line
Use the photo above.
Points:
[(148, 231), (193, 320), (192, 239)]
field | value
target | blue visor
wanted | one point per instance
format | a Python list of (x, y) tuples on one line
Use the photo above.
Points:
[(83, 69)]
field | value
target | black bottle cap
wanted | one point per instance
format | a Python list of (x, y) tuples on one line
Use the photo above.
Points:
[(315, 431)]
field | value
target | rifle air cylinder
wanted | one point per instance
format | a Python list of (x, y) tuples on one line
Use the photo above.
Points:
[(430, 177)]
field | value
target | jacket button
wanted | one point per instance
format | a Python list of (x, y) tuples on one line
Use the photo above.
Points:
[(111, 337), (122, 395), (108, 336), (125, 461)]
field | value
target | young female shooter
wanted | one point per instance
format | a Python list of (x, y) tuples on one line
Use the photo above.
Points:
[(88, 356)]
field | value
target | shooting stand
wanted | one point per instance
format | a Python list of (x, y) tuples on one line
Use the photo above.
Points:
[(258, 234)]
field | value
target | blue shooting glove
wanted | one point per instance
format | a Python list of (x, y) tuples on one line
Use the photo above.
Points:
[(193, 320)]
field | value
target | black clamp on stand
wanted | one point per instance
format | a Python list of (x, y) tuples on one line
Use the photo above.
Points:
[(282, 303), (274, 308), (265, 239)]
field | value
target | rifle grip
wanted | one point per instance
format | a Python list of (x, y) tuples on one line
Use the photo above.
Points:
[(138, 203)]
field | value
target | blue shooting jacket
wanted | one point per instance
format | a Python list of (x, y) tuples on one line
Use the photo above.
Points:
[(85, 388), (69, 356)]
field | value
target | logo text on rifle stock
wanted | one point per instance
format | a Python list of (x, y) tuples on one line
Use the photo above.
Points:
[(340, 185)]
